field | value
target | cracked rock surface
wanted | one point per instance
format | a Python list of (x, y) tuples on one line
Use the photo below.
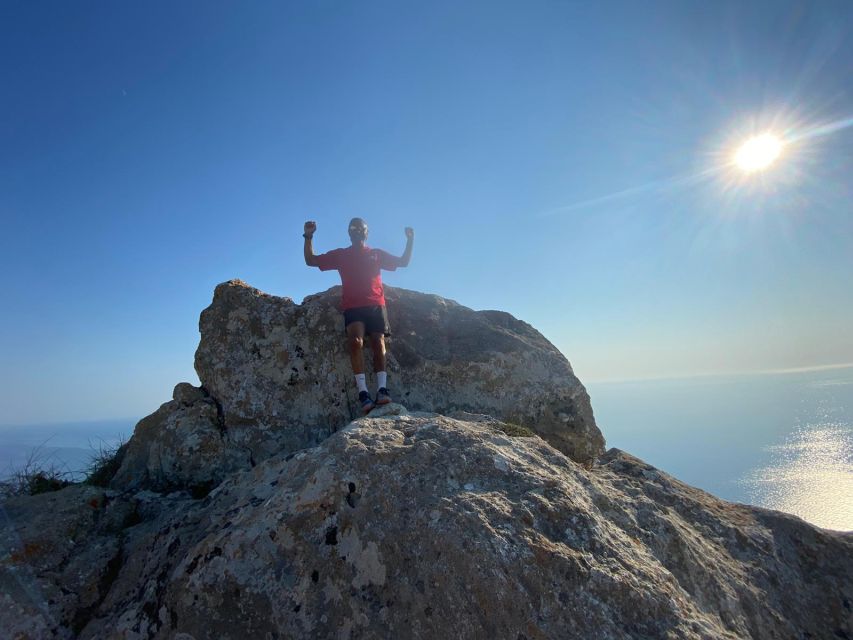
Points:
[(419, 525)]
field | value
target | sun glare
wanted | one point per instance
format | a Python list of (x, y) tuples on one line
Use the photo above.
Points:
[(758, 153)]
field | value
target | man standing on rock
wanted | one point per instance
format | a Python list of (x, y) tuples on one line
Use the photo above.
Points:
[(363, 299)]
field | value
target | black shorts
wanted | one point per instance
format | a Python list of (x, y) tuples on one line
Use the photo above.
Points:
[(375, 319)]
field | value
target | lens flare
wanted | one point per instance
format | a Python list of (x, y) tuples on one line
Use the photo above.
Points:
[(737, 172), (758, 153)]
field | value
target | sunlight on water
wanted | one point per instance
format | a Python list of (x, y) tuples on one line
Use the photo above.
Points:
[(810, 475)]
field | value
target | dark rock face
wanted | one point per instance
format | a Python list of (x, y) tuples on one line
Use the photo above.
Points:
[(424, 526)]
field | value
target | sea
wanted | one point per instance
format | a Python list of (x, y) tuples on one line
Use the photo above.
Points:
[(66, 448), (782, 441)]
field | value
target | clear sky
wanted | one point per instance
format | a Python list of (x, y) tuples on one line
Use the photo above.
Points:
[(567, 162)]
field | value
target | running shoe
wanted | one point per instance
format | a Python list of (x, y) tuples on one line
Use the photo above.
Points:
[(382, 396), (366, 402)]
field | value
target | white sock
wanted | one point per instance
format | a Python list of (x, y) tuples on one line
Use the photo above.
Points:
[(361, 382), (382, 378)]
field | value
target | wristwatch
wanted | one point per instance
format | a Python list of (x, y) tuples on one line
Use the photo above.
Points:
[(306, 236)]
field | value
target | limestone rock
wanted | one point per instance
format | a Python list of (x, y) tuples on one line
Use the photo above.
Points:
[(188, 394), (58, 554), (276, 378), (418, 525), (275, 364), (181, 445), (245, 508)]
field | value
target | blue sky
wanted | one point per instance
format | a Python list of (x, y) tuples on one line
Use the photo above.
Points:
[(149, 151)]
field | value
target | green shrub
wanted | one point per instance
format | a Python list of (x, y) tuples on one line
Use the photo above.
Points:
[(514, 430), (104, 463), (38, 474), (45, 481)]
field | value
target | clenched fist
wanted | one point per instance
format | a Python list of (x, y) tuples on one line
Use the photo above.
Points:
[(410, 233), (310, 228)]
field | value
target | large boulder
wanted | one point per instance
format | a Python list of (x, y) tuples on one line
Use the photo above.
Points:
[(274, 364), (276, 378), (425, 526), (182, 445)]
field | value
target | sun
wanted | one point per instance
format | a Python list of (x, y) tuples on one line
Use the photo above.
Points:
[(758, 153)]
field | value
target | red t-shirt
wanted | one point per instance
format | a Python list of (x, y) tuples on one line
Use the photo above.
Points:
[(359, 268)]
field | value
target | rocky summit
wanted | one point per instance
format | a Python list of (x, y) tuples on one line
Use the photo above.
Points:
[(276, 378), (418, 521)]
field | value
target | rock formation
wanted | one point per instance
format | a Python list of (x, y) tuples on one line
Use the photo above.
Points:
[(402, 524), (276, 378)]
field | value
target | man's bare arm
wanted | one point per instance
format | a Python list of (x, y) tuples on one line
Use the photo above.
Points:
[(308, 250), (410, 241)]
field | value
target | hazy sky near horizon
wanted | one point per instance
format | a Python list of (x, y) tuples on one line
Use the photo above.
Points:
[(565, 162)]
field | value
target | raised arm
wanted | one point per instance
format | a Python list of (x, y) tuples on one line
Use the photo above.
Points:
[(410, 241), (308, 234)]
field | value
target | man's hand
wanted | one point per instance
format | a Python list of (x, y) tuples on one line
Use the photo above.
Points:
[(410, 241), (310, 258)]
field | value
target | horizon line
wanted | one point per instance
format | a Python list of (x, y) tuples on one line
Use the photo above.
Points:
[(721, 374)]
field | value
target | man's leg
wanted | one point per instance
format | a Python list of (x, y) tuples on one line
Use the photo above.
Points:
[(377, 345), (355, 340)]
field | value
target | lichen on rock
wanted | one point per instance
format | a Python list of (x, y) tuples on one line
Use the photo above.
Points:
[(276, 378), (412, 524), (267, 359), (261, 505)]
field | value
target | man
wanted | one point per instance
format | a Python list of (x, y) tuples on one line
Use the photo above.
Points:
[(363, 299)]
